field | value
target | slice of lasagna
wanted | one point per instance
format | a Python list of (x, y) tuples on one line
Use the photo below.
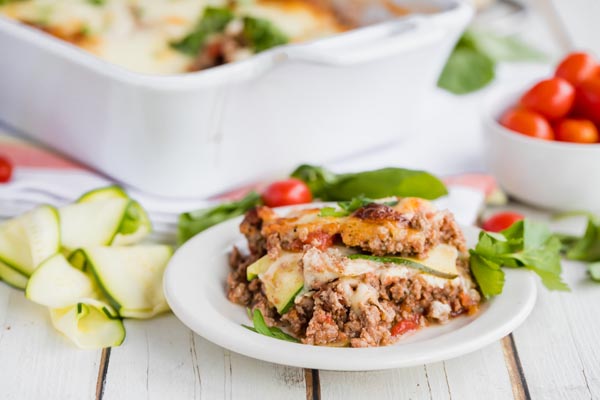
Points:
[(361, 279)]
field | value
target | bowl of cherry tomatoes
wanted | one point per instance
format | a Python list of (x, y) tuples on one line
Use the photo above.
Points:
[(542, 142)]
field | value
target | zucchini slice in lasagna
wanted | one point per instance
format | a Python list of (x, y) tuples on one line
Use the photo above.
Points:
[(362, 279)]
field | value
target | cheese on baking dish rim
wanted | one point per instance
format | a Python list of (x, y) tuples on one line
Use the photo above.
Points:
[(136, 34)]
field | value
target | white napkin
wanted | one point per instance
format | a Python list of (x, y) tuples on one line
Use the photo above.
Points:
[(31, 187)]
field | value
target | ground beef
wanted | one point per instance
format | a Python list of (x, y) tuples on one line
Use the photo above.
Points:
[(327, 315), (251, 228), (375, 228)]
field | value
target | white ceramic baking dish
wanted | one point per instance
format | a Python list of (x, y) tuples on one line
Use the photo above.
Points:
[(201, 133)]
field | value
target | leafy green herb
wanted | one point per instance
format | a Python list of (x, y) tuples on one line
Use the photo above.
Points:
[(348, 207), (466, 71), (374, 184), (471, 66), (526, 244), (214, 20), (262, 35), (97, 2), (586, 247), (194, 222), (594, 270), (261, 327)]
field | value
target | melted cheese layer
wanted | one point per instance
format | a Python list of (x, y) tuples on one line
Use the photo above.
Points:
[(136, 34)]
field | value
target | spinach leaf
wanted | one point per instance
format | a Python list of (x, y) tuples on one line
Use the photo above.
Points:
[(526, 244), (262, 34), (194, 222), (373, 184), (213, 20)]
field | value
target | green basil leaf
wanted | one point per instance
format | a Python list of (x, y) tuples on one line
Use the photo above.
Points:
[(466, 71), (503, 48), (471, 66), (316, 178), (194, 222), (261, 327), (259, 323), (262, 34), (281, 335), (213, 20), (332, 212), (384, 183), (363, 186)]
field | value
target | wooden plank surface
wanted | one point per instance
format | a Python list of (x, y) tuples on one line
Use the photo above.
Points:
[(36, 362), (162, 359), (465, 377), (556, 344)]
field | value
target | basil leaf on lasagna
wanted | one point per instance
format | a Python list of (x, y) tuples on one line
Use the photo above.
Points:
[(214, 20), (262, 34)]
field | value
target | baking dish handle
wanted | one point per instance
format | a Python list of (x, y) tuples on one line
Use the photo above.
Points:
[(368, 44)]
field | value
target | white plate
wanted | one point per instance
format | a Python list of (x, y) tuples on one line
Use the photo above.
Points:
[(195, 289)]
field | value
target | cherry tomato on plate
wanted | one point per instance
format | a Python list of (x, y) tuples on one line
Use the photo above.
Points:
[(286, 193), (588, 99), (500, 221), (576, 131), (528, 123), (6, 170), (553, 98), (577, 67)]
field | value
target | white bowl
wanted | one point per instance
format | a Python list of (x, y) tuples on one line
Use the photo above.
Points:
[(554, 175)]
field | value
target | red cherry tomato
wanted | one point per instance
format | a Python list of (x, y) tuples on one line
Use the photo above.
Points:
[(576, 131), (553, 98), (6, 169), (501, 221), (576, 68), (588, 99), (286, 193), (528, 123)]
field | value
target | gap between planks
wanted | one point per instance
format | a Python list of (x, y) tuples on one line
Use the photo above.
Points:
[(102, 371), (313, 384), (515, 369)]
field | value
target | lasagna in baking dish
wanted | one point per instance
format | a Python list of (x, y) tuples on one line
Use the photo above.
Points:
[(175, 36), (354, 276)]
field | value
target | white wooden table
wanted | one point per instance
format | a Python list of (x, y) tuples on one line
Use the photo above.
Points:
[(555, 354)]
